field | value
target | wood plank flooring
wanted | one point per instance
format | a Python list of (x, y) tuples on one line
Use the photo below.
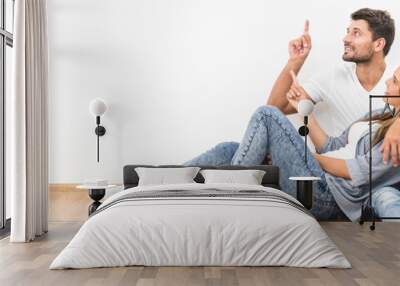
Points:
[(375, 257)]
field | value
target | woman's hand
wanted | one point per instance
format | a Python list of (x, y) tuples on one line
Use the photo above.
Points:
[(296, 92), (391, 144)]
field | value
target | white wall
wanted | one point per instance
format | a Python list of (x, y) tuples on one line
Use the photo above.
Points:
[(179, 76)]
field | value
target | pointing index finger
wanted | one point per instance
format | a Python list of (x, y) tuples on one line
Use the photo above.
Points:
[(306, 26)]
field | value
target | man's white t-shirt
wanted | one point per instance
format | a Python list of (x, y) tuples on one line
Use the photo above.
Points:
[(341, 98)]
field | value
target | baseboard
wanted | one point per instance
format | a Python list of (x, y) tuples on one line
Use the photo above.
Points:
[(5, 231), (63, 187)]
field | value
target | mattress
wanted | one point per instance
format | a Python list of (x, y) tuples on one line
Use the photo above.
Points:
[(201, 225)]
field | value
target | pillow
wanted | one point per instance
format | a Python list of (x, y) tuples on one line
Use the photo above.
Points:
[(249, 177), (164, 176)]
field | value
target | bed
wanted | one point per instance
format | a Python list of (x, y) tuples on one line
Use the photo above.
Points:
[(198, 224)]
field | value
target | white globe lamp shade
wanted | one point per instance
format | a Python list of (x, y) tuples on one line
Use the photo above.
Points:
[(305, 107), (97, 107)]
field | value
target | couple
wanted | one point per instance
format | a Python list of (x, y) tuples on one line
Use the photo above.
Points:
[(342, 161)]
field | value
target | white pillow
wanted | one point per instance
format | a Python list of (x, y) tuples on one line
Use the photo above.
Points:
[(164, 176), (249, 177)]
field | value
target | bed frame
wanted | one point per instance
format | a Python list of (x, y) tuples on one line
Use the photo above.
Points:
[(270, 179)]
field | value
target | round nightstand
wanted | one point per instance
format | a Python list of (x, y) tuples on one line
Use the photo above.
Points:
[(96, 193), (305, 190)]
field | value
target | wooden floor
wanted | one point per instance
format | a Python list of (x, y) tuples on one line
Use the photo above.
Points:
[(375, 257)]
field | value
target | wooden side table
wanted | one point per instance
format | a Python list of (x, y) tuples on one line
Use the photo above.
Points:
[(96, 193), (305, 190)]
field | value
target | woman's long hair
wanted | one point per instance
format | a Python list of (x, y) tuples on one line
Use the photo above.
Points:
[(385, 120)]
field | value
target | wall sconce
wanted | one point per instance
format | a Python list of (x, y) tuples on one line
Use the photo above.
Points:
[(97, 108)]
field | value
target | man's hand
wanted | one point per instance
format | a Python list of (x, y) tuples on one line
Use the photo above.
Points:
[(298, 52), (300, 48), (391, 144), (296, 92)]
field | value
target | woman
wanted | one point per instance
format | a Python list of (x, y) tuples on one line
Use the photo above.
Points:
[(341, 162)]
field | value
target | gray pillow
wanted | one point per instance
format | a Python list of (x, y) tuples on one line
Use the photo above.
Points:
[(248, 177), (165, 176)]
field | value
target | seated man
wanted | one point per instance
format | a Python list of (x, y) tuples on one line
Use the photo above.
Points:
[(341, 163), (345, 89)]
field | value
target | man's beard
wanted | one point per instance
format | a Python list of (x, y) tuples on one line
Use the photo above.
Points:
[(359, 58)]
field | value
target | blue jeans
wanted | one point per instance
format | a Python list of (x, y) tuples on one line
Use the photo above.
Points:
[(270, 132), (386, 202)]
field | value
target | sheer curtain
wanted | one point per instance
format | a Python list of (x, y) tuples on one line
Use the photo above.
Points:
[(28, 120)]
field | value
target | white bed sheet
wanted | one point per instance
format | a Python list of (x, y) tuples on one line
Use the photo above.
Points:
[(218, 232)]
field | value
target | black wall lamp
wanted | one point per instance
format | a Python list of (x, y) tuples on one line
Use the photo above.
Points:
[(97, 108)]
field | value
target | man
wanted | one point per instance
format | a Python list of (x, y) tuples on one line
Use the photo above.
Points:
[(345, 89)]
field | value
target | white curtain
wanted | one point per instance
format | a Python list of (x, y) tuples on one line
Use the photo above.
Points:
[(28, 120)]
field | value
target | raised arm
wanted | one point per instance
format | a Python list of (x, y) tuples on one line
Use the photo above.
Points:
[(298, 51)]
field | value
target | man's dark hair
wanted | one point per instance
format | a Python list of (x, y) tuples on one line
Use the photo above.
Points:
[(380, 24)]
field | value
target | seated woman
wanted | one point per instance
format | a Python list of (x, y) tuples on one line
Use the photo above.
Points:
[(341, 162)]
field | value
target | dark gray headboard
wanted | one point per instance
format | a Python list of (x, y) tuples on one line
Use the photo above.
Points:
[(271, 177)]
